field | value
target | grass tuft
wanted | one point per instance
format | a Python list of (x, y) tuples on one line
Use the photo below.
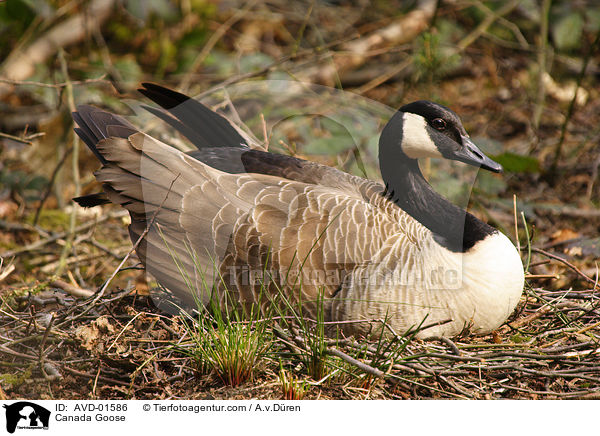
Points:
[(291, 387), (228, 348)]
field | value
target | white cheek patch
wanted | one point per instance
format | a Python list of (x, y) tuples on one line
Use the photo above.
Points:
[(416, 143)]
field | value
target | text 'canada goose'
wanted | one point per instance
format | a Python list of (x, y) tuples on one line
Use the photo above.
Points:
[(233, 222)]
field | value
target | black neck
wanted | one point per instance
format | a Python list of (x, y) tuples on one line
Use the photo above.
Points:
[(453, 227)]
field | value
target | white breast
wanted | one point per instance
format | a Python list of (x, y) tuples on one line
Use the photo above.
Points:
[(493, 278), (476, 290)]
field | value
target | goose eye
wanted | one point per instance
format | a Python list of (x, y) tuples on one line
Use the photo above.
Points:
[(438, 124)]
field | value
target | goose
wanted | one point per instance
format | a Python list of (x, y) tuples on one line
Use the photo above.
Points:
[(209, 222)]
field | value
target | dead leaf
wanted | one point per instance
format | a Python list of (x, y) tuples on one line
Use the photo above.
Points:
[(93, 336), (564, 235)]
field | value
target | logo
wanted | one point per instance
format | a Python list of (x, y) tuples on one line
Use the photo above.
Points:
[(26, 415)]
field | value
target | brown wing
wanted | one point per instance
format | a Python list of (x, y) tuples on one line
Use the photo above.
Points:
[(210, 227)]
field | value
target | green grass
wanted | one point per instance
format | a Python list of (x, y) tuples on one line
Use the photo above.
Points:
[(291, 387), (234, 344), (230, 349)]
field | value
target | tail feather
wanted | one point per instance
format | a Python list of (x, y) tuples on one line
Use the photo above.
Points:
[(202, 126), (198, 140), (96, 125), (92, 200)]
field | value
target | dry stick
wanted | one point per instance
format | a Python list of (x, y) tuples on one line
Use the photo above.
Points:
[(59, 85), (101, 247), (18, 227), (273, 65), (571, 212), (491, 17), (299, 343), (400, 31), (23, 140), (104, 379), (72, 290), (351, 360), (95, 384), (447, 342), (43, 342), (523, 44), (50, 185), (516, 224), (42, 242), (264, 129), (593, 178), (569, 264), (384, 77), (5, 349), (124, 328), (542, 276), (541, 89), (21, 63), (486, 23), (108, 64), (550, 374), (214, 38), (7, 270), (74, 167), (563, 131)]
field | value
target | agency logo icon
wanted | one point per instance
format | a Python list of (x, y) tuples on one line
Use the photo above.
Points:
[(26, 415)]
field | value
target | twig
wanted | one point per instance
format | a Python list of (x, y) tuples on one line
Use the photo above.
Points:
[(104, 379), (74, 167), (384, 77), (107, 61), (7, 350), (567, 263), (101, 79), (21, 63), (7, 270), (542, 276), (43, 343), (563, 130), (400, 31), (264, 129), (212, 41), (447, 342), (123, 329), (571, 211), (360, 365), (50, 185), (24, 140), (72, 290), (486, 23), (593, 178), (56, 237), (542, 52), (516, 223), (296, 342)]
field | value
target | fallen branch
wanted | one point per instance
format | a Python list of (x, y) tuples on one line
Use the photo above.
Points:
[(352, 361), (43, 242), (355, 53), (567, 263), (72, 290), (21, 64), (7, 270)]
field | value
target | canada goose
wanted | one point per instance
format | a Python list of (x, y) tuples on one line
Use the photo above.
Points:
[(227, 211)]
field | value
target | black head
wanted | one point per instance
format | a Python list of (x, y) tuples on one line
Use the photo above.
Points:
[(427, 129)]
